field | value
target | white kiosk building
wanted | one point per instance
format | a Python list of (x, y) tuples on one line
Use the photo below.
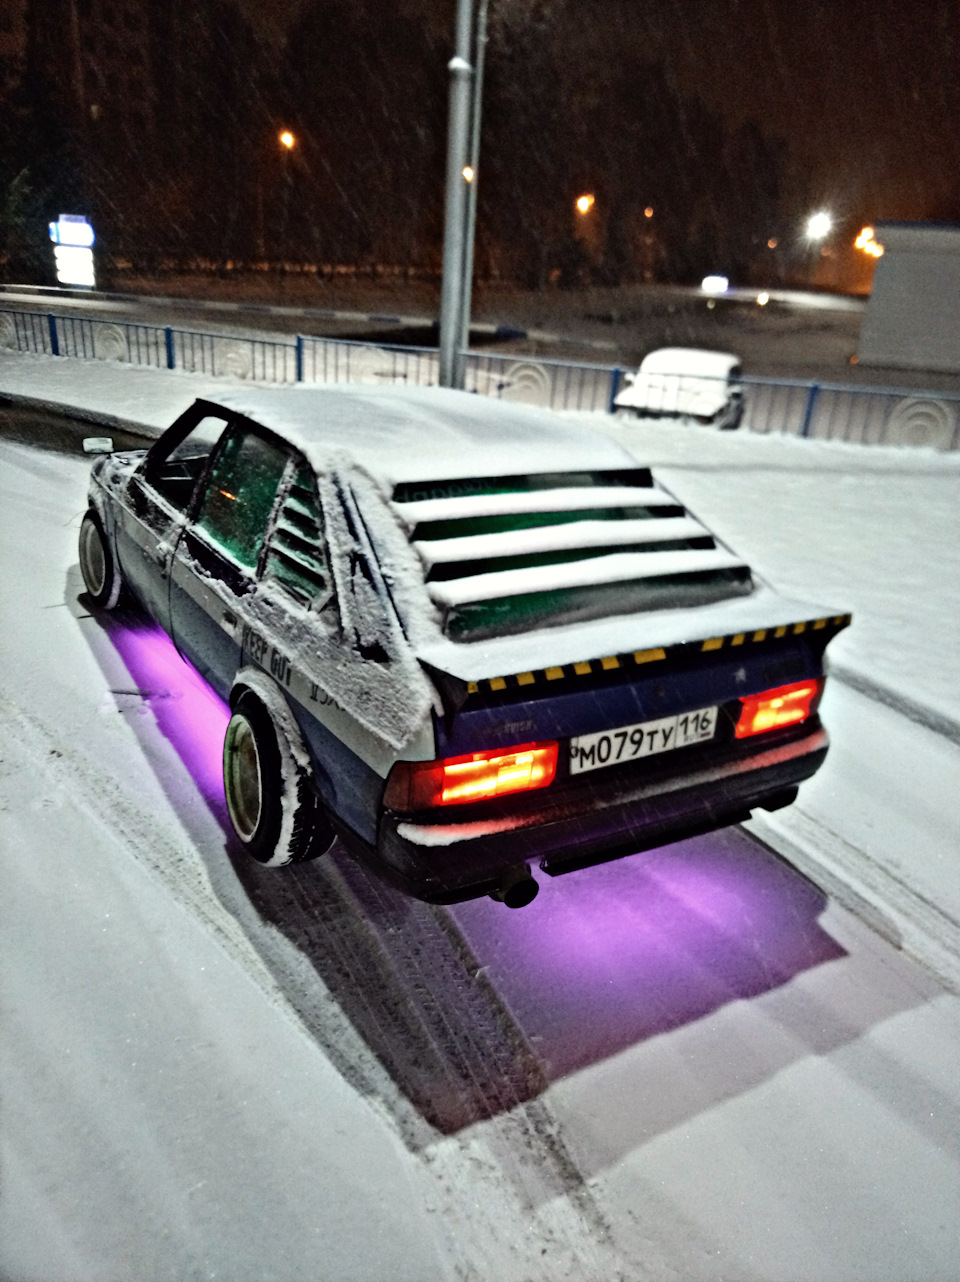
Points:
[(913, 316)]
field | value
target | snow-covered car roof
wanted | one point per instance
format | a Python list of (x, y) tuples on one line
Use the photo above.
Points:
[(425, 433), (689, 360)]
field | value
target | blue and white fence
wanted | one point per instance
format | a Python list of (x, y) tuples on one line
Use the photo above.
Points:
[(824, 411)]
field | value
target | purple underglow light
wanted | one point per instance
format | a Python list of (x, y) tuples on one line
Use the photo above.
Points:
[(604, 958), (188, 713), (612, 955)]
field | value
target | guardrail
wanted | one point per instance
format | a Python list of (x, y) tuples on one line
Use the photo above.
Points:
[(557, 385), (825, 411), (858, 415)]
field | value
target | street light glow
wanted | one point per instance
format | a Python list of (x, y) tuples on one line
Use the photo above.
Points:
[(287, 139), (468, 173), (866, 242), (648, 212), (819, 225), (585, 204)]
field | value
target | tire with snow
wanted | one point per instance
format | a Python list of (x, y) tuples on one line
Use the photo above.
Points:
[(101, 577), (272, 804)]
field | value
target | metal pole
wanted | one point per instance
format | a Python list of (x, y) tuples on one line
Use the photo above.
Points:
[(451, 295), (808, 413), (464, 343)]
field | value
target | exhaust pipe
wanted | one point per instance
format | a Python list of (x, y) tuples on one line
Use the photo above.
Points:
[(517, 887)]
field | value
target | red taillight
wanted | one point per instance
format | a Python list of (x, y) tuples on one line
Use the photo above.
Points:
[(419, 785), (774, 709)]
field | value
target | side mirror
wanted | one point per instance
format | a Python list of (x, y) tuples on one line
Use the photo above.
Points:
[(98, 445)]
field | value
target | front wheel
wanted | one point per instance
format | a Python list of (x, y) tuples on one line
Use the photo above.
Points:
[(273, 808), (101, 577)]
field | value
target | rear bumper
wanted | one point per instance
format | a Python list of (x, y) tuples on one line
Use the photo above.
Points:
[(446, 862)]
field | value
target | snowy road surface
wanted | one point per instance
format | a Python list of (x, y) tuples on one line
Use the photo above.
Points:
[(687, 1065)]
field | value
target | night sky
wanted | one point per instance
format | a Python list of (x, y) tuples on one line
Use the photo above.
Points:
[(865, 92), (732, 119)]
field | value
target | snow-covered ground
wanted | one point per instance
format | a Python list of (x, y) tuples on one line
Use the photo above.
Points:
[(692, 1065)]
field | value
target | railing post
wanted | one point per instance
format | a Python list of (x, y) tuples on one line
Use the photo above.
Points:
[(808, 412), (616, 374), (299, 358), (168, 340), (54, 340)]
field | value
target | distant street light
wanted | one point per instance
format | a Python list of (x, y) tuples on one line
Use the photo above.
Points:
[(468, 173), (585, 203), (648, 212), (866, 242), (287, 139), (819, 225)]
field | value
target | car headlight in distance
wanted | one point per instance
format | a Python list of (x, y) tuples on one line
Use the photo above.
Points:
[(774, 709), (715, 284), (476, 776)]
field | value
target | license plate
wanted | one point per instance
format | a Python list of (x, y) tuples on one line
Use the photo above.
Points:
[(645, 739)]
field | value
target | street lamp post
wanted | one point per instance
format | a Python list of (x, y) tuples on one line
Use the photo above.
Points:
[(470, 173), (451, 295), (287, 142)]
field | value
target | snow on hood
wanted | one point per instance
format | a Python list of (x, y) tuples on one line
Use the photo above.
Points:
[(423, 434)]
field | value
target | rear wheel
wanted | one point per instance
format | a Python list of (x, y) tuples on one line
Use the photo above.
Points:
[(272, 804), (101, 577)]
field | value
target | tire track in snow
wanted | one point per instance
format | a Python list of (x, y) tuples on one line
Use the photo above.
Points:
[(392, 994), (183, 875), (412, 987)]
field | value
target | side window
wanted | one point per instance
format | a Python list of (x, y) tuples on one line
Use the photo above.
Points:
[(240, 494), (176, 474), (297, 551)]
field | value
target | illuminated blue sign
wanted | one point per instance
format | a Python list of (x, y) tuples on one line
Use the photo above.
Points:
[(72, 229)]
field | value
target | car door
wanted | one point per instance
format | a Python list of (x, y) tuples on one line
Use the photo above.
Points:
[(214, 566), (157, 503)]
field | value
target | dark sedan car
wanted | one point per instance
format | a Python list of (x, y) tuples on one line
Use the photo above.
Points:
[(464, 637)]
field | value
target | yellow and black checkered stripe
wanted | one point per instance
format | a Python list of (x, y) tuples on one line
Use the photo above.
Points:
[(572, 672)]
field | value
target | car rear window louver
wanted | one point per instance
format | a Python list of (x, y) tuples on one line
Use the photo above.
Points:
[(508, 554), (297, 555)]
